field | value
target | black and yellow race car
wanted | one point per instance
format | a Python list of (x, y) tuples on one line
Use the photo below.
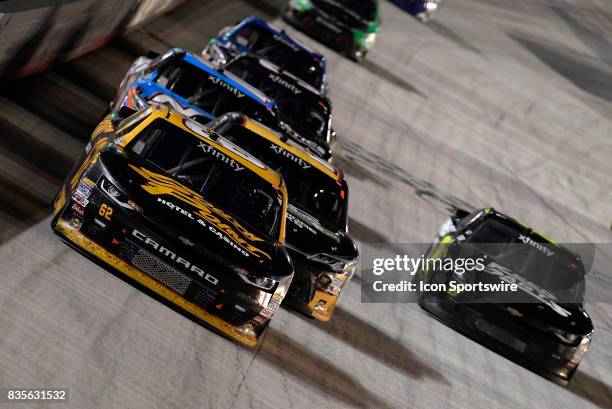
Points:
[(541, 323), (161, 199), (323, 254)]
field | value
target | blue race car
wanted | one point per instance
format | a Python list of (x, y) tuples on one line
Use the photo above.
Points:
[(421, 9), (254, 35), (191, 86)]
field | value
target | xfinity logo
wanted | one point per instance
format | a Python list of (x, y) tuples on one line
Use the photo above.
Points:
[(170, 255), (225, 85), (279, 80), (544, 249), (209, 149), (280, 151)]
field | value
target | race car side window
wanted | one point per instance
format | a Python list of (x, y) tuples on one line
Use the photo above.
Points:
[(470, 218)]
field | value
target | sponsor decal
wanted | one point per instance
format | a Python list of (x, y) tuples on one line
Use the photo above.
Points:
[(76, 223), (170, 255), (202, 223), (285, 153), (222, 223), (211, 150), (221, 83), (78, 208), (78, 197), (539, 246), (281, 81), (505, 274), (270, 309)]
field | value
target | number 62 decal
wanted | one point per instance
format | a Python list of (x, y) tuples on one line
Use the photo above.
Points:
[(105, 211)]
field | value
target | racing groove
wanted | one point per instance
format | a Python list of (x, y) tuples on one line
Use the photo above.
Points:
[(463, 113)]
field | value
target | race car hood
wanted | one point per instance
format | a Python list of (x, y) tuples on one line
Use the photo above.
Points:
[(533, 304), (181, 214), (308, 237), (342, 15)]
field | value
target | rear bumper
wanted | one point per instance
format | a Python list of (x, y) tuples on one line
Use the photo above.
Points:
[(527, 347), (241, 334)]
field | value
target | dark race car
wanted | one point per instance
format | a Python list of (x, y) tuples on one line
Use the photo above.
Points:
[(543, 324), (197, 221), (304, 114), (348, 26), (323, 254), (253, 35), (421, 9), (192, 87)]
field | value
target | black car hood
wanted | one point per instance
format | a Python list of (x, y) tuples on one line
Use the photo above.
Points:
[(309, 238), (534, 304), (341, 14), (182, 214)]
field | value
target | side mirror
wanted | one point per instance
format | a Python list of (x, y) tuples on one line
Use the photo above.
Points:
[(152, 55)]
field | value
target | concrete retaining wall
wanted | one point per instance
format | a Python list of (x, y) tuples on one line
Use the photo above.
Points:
[(35, 34)]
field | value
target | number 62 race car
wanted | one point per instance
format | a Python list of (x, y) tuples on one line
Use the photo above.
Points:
[(197, 220)]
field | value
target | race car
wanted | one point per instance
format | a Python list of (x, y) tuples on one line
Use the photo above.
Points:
[(542, 323), (421, 9), (192, 87), (323, 254), (196, 220), (346, 25), (253, 35), (304, 114)]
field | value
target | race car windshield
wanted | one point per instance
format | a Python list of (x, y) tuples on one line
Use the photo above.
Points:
[(309, 189), (210, 93), (220, 179), (541, 263), (281, 52), (304, 111)]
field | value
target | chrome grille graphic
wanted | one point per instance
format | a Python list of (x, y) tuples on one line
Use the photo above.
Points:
[(161, 271)]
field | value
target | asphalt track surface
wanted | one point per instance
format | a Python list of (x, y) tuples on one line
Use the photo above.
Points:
[(495, 103)]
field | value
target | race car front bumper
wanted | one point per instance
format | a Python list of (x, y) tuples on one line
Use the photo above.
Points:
[(515, 340), (243, 334)]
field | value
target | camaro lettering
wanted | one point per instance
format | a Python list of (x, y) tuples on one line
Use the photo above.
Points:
[(172, 256), (538, 293)]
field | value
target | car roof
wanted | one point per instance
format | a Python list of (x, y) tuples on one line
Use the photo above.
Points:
[(274, 137), (207, 136), (276, 69), (283, 34), (227, 77)]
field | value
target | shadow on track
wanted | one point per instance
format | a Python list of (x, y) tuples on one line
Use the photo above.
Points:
[(364, 233), (587, 73), (364, 337), (385, 74), (294, 360), (591, 389)]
